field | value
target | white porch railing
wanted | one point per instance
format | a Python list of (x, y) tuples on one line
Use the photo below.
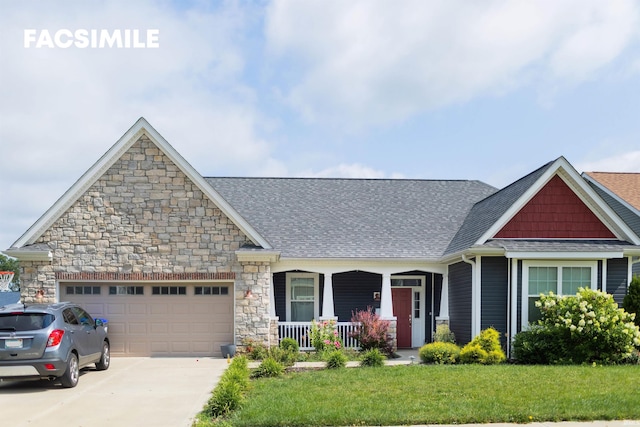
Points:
[(299, 331)]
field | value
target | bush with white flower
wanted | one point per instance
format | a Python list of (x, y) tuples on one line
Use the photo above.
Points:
[(584, 328)]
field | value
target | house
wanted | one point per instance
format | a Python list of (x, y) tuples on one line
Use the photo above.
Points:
[(181, 264)]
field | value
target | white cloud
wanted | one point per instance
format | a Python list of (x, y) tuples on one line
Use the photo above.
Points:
[(353, 170), (624, 162), (369, 62)]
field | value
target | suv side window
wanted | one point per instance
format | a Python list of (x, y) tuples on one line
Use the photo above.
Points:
[(69, 317), (84, 317)]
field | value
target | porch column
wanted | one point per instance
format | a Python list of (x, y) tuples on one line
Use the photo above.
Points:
[(327, 298), (272, 299), (386, 304), (443, 318)]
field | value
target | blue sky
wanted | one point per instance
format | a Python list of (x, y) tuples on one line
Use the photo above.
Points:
[(383, 89)]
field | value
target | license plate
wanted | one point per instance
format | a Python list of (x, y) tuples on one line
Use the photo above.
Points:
[(13, 343)]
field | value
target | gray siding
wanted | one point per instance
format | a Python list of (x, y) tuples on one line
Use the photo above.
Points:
[(617, 280), (460, 301), (494, 294), (519, 302), (353, 291)]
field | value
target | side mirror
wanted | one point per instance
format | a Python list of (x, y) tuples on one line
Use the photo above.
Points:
[(101, 322)]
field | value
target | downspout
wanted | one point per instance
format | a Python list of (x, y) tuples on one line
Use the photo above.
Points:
[(473, 292)]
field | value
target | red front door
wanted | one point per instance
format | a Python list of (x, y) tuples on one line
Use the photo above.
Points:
[(402, 311)]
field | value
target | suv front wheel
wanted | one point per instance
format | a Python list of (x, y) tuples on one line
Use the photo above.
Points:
[(105, 359), (72, 374)]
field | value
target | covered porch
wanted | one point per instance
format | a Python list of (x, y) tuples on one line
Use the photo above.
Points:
[(413, 300)]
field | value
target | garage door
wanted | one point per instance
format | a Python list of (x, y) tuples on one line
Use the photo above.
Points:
[(160, 319)]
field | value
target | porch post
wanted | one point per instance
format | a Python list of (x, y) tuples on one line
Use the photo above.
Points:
[(386, 304), (327, 298), (272, 299), (443, 318)]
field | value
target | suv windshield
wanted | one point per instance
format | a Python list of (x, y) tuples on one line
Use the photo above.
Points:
[(19, 322)]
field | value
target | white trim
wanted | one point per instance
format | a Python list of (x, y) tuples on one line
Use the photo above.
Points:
[(29, 255), (559, 264), (476, 299), (604, 275), (514, 299), (629, 273), (258, 256), (563, 255), (328, 307), (316, 292), (572, 178), (96, 171)]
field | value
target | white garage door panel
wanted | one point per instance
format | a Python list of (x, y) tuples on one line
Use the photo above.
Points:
[(162, 325)]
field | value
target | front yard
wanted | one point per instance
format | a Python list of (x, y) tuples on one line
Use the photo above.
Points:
[(431, 394)]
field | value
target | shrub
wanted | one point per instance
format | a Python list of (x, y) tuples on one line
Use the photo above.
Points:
[(336, 359), (372, 357), (485, 349), (289, 344), (444, 334), (537, 346), (269, 368), (229, 393), (631, 302), (439, 353), (255, 351), (324, 335), (372, 332), (286, 357), (587, 327)]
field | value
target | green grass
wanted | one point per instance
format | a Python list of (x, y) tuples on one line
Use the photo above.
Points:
[(425, 394)]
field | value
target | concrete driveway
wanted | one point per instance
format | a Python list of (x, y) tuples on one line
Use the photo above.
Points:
[(136, 392)]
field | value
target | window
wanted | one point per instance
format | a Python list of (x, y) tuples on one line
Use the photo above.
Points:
[(83, 290), (302, 297), (169, 290), (126, 290), (211, 290), (560, 278)]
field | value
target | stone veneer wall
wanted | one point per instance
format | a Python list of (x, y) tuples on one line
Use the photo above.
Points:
[(253, 321), (145, 216)]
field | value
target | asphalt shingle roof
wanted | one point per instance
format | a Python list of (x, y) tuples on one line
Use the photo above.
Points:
[(354, 218)]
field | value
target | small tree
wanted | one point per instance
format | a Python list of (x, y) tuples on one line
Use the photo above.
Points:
[(372, 332), (631, 302)]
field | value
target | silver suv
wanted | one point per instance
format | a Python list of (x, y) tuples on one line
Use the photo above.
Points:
[(50, 341)]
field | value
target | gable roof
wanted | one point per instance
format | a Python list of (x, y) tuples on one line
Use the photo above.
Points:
[(488, 216), (354, 218), (139, 128)]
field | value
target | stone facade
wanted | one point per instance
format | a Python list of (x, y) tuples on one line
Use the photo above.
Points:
[(144, 216)]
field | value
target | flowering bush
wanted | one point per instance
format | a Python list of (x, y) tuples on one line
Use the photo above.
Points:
[(324, 335), (372, 332), (584, 328)]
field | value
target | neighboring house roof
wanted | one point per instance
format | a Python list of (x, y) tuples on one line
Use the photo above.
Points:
[(619, 202), (354, 218), (625, 185), (21, 246)]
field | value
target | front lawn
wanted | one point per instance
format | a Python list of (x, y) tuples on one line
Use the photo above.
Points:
[(432, 394)]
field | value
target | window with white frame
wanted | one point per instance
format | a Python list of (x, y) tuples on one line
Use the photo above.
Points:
[(302, 297), (561, 278)]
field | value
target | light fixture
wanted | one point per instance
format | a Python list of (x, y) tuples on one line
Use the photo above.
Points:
[(39, 295), (248, 294)]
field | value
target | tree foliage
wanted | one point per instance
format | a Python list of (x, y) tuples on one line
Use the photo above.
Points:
[(11, 264)]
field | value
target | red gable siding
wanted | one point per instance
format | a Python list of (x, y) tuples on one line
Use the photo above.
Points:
[(556, 212)]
